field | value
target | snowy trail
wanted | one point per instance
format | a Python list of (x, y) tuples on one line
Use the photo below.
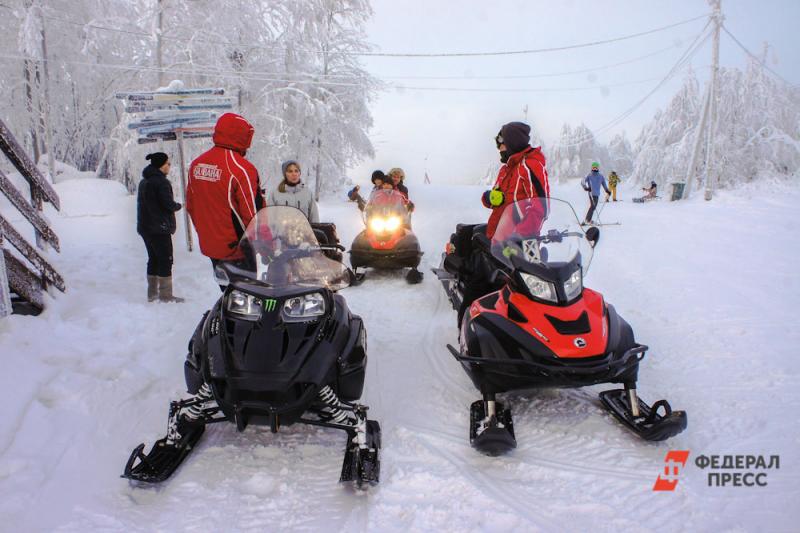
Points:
[(93, 377)]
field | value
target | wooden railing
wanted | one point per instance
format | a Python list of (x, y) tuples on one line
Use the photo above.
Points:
[(26, 278)]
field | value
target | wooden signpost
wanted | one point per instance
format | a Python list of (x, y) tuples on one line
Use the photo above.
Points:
[(175, 114)]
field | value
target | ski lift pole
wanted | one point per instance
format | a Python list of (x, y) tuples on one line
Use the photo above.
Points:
[(187, 221)]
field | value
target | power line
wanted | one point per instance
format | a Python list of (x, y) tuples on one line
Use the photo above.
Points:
[(685, 57), (752, 55), (536, 50), (395, 54), (532, 76)]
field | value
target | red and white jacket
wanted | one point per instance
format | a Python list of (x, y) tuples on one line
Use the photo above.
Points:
[(523, 176), (223, 193)]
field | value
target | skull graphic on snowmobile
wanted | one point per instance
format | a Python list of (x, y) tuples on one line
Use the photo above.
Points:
[(537, 326), (279, 347)]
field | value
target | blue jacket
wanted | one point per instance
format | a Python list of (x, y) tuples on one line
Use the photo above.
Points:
[(594, 181)]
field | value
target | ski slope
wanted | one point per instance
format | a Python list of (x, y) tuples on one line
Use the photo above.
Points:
[(710, 287)]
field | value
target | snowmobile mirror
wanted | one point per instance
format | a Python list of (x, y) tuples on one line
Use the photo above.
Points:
[(593, 235)]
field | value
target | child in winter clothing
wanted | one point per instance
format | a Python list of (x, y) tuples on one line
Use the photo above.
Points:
[(155, 222), (613, 181), (292, 192)]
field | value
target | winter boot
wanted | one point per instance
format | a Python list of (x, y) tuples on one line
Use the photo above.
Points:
[(165, 290), (152, 288)]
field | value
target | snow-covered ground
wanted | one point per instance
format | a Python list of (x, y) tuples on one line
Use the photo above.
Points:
[(710, 287)]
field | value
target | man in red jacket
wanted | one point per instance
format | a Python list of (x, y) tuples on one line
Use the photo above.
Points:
[(223, 193), (522, 176)]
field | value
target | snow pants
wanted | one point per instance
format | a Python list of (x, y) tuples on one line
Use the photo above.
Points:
[(159, 254), (592, 206)]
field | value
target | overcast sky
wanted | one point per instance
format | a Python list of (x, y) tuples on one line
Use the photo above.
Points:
[(451, 132)]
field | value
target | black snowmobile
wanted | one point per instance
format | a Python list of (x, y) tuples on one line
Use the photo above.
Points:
[(279, 347), (537, 326), (387, 242)]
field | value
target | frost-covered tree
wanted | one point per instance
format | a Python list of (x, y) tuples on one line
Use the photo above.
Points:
[(757, 132), (289, 62), (664, 146), (574, 153), (620, 155)]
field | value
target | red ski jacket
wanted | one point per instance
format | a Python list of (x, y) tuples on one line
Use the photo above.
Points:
[(523, 176), (223, 192)]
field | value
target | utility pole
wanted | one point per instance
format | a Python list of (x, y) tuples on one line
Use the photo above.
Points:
[(709, 109), (711, 169)]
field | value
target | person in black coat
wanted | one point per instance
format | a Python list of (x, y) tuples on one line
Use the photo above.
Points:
[(155, 222)]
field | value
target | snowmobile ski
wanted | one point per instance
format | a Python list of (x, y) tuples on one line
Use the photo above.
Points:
[(361, 462), (492, 435), (166, 455), (414, 276), (649, 425)]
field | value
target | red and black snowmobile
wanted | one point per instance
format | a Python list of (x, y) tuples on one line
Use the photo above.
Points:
[(387, 242), (537, 326)]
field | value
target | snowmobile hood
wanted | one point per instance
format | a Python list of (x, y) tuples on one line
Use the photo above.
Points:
[(233, 131)]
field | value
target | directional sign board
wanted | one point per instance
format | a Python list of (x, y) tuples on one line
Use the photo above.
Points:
[(175, 113)]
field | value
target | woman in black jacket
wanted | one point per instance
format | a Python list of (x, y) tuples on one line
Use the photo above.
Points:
[(155, 222)]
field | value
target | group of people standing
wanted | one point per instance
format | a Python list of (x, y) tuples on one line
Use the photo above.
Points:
[(224, 193), (222, 196)]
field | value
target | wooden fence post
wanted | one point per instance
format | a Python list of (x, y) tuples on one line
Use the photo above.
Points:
[(5, 295)]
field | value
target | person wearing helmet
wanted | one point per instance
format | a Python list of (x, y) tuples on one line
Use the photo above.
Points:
[(223, 193), (592, 184)]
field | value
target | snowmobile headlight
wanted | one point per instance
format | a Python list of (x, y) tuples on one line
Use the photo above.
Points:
[(243, 305), (377, 224), (544, 290), (574, 285), (392, 223), (306, 307)]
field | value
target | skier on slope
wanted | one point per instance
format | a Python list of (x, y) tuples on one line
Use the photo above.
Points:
[(223, 192), (523, 175), (592, 184)]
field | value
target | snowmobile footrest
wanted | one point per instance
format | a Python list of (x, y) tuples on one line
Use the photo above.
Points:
[(496, 439), (651, 425), (164, 458), (363, 465)]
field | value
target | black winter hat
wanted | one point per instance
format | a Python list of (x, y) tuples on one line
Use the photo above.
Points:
[(157, 159), (516, 136), (378, 175)]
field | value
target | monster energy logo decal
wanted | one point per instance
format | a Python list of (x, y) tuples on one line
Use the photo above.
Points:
[(269, 304)]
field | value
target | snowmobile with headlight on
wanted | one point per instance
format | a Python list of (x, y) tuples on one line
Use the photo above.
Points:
[(280, 347), (539, 327), (387, 242)]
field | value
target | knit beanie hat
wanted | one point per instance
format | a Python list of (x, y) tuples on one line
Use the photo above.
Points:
[(285, 165), (516, 136), (157, 159)]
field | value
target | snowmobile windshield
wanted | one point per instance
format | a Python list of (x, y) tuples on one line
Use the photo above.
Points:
[(386, 211), (545, 231), (281, 250)]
